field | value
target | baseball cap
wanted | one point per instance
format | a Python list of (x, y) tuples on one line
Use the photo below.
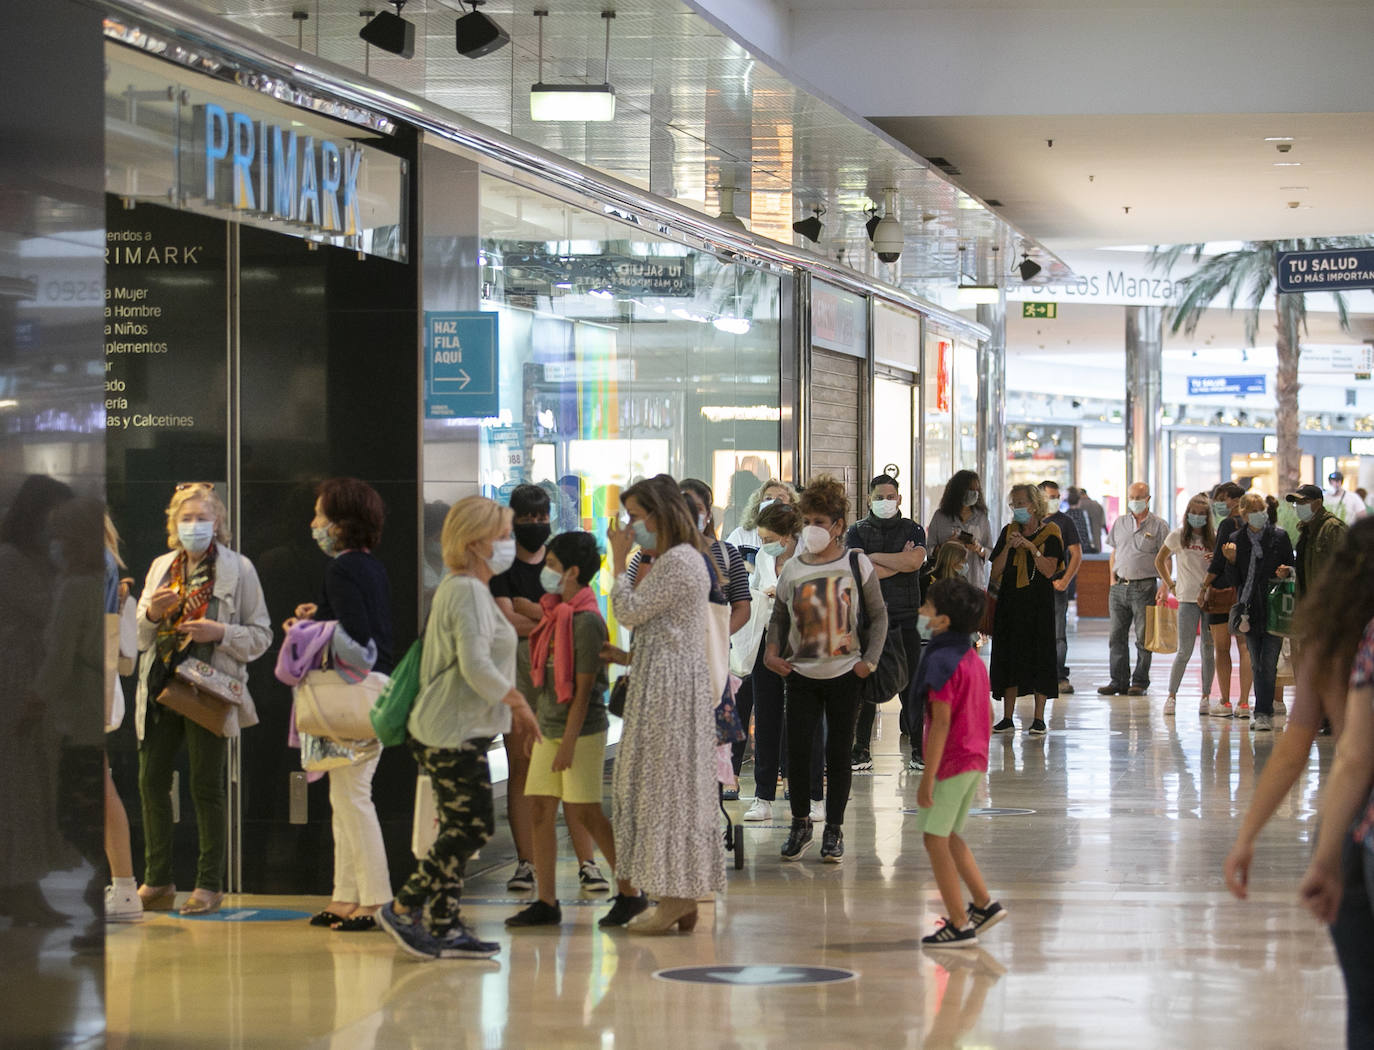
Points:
[(1335, 475), (1305, 492)]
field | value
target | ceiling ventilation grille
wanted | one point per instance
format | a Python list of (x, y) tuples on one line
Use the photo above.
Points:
[(944, 165)]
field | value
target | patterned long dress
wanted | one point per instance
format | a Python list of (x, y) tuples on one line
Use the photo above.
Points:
[(663, 789)]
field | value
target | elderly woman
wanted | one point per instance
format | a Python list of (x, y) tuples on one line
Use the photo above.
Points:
[(963, 517), (745, 536), (467, 696), (1028, 554), (1254, 554), (664, 785), (201, 600)]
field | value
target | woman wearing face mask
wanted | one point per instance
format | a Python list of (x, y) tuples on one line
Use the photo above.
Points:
[(1255, 554), (1028, 554), (1227, 514), (814, 644), (348, 523), (745, 535), (1190, 550), (963, 517), (467, 696), (663, 790), (201, 600)]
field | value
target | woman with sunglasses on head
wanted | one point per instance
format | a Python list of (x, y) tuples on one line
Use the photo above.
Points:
[(201, 600)]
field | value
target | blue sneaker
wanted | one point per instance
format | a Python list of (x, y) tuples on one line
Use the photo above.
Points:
[(459, 943), (408, 931)]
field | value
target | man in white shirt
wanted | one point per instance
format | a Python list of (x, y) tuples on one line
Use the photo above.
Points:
[(1135, 539), (1343, 503)]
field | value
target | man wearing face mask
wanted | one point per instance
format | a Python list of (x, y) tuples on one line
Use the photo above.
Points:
[(518, 590), (1320, 533), (1135, 539), (896, 546), (1345, 505)]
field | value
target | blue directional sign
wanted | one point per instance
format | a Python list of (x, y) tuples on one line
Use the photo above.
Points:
[(1203, 386), (1326, 271), (249, 915), (462, 366)]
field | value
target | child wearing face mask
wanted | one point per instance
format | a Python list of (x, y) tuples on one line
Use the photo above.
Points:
[(569, 685)]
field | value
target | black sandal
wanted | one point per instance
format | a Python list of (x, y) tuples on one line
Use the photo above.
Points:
[(356, 924), (326, 918)]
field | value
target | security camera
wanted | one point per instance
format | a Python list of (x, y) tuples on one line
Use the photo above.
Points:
[(888, 236), (1283, 147)]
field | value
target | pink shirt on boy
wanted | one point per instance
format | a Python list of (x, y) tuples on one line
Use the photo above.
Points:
[(970, 718)]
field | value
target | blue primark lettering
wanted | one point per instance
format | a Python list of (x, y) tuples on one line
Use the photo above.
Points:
[(308, 208), (331, 173), (283, 173), (244, 150), (216, 144), (352, 208)]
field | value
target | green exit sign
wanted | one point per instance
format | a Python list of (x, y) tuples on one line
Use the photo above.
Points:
[(1047, 310)]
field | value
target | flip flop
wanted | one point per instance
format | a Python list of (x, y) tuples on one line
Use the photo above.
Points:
[(163, 900), (202, 905), (356, 924), (326, 918)]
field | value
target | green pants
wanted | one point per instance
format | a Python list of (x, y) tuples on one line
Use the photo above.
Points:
[(157, 754)]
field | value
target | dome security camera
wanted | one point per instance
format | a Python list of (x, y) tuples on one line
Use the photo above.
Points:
[(888, 236), (1284, 147)]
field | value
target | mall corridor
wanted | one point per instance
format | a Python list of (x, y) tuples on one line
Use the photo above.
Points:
[(1104, 840)]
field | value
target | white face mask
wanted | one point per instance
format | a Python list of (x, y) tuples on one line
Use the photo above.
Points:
[(1137, 506), (815, 539), (502, 556), (195, 536), (701, 522), (884, 508), (764, 504)]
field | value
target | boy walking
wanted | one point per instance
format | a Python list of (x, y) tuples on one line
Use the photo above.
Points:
[(958, 724)]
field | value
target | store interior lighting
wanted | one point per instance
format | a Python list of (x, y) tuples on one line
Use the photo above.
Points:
[(978, 294), (580, 102), (476, 35), (391, 32)]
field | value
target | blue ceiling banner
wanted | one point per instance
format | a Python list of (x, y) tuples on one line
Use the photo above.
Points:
[(462, 364), (1231, 386), (1342, 269)]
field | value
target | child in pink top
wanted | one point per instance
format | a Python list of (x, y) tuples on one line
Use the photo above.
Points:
[(958, 724)]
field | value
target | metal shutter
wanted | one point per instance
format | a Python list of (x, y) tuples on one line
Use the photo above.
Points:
[(835, 411)]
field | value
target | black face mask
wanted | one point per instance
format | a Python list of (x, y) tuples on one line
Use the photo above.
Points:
[(531, 537)]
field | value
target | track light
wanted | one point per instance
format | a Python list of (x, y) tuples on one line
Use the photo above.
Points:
[(391, 32), (1027, 268), (583, 102), (810, 228), (476, 34)]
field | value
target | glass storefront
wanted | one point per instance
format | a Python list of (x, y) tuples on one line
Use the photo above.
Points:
[(938, 430)]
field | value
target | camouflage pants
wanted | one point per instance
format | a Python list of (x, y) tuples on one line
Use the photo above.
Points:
[(462, 795)]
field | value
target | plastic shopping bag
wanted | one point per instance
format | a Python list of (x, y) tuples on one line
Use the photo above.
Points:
[(1283, 597)]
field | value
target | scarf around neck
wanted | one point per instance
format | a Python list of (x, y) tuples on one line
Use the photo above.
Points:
[(195, 594), (556, 630)]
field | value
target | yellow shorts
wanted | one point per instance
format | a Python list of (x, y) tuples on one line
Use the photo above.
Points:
[(581, 783)]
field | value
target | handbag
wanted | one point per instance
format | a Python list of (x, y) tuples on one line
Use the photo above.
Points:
[(989, 614), (202, 707), (319, 754), (1220, 600), (616, 703), (892, 674), (1282, 599), (328, 705), (1161, 628), (391, 710), (424, 828)]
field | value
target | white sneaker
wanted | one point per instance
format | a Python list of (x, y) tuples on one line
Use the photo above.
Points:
[(817, 810), (1205, 707), (123, 906), (762, 809), (1280, 708), (1169, 705)]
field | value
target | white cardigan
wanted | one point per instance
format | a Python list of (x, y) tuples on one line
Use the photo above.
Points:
[(247, 629)]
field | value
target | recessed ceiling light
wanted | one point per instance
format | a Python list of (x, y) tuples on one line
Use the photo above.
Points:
[(1294, 187), (1279, 138), (1288, 164)]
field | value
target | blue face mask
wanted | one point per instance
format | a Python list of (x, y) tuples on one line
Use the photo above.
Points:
[(195, 536), (923, 627), (1220, 508), (551, 581), (773, 549), (1020, 515), (643, 537), (1303, 511), (1197, 521), (1258, 519)]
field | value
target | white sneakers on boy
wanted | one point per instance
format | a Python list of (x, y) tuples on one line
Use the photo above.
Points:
[(762, 809)]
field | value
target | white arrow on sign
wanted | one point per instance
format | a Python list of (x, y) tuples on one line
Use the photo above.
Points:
[(466, 380), (758, 975)]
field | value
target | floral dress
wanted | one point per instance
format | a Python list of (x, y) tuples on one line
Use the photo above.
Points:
[(663, 789)]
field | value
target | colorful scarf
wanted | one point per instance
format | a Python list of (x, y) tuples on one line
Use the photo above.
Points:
[(195, 602), (556, 629)]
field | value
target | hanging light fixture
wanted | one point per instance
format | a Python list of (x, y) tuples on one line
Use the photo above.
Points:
[(475, 34), (582, 102), (970, 294), (811, 228), (391, 32), (1027, 267)]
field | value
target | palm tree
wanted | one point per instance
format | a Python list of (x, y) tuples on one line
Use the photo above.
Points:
[(1252, 271)]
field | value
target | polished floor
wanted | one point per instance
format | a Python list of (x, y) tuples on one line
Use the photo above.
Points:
[(1120, 932)]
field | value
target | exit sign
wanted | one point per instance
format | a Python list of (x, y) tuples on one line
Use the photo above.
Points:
[(1046, 310)]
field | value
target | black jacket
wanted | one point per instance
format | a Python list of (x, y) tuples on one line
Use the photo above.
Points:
[(1276, 550), (902, 590)]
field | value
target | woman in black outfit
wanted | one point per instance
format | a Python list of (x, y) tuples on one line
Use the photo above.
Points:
[(1028, 554), (348, 523), (1226, 508)]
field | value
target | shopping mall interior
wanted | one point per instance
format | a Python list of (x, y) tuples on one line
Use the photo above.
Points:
[(455, 248)]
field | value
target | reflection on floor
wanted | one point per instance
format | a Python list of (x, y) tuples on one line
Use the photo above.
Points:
[(1120, 933)]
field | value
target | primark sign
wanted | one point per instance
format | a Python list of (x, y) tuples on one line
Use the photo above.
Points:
[(270, 169)]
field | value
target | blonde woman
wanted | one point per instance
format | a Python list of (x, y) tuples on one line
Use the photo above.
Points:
[(201, 600), (746, 535), (467, 697)]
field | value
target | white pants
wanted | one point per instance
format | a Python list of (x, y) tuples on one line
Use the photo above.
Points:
[(360, 871)]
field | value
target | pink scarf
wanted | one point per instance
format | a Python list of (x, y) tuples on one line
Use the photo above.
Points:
[(556, 629)]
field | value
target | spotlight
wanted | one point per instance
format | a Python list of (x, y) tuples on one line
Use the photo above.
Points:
[(478, 35), (1027, 268), (582, 102), (888, 236), (391, 32), (871, 225), (810, 228)]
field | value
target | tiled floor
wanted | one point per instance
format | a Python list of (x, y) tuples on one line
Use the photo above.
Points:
[(1120, 933)]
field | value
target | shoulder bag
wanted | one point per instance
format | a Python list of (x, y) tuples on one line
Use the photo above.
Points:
[(328, 705), (892, 674), (391, 710), (203, 694)]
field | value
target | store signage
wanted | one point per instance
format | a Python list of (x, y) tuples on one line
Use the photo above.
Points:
[(1326, 271), (1342, 360), (1048, 311), (1362, 446), (264, 168), (461, 365), (530, 270), (839, 320), (1204, 386)]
